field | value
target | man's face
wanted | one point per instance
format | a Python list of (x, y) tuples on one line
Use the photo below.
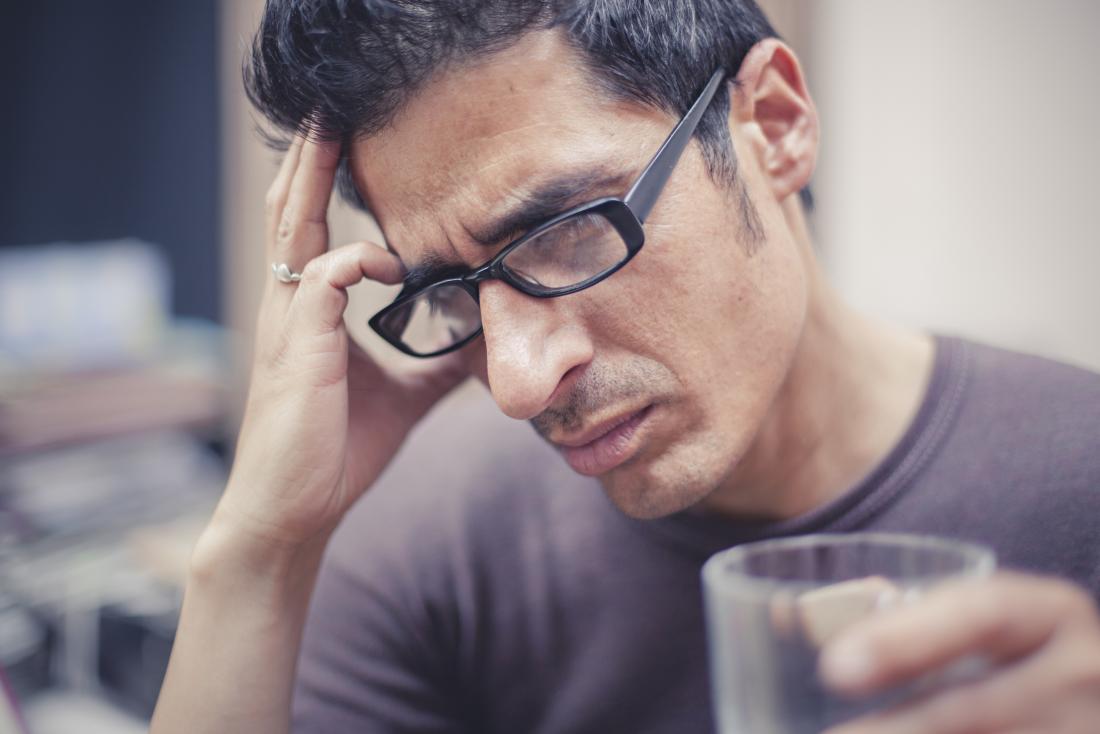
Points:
[(664, 372)]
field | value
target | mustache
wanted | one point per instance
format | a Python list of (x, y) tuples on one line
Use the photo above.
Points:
[(599, 387)]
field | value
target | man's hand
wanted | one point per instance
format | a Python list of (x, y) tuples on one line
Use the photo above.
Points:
[(321, 423), (322, 419), (1042, 637)]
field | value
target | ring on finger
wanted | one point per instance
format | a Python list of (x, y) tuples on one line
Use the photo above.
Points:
[(284, 274)]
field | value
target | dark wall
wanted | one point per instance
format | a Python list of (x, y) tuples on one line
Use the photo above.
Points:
[(109, 128)]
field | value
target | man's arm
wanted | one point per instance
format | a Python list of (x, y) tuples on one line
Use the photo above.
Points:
[(232, 666), (321, 423)]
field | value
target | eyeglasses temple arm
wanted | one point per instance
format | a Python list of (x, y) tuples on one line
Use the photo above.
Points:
[(643, 194)]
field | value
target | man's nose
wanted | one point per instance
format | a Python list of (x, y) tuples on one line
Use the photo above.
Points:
[(530, 347)]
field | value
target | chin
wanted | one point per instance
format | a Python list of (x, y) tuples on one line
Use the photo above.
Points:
[(644, 493)]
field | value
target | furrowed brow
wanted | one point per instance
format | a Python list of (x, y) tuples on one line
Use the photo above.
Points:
[(546, 201)]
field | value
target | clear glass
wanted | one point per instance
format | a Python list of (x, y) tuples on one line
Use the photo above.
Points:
[(771, 607)]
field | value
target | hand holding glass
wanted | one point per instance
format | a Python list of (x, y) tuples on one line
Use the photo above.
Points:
[(771, 606)]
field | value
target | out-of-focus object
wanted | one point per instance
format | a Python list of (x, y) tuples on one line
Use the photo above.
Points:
[(65, 712), (135, 640), (111, 417), (24, 649), (85, 306), (106, 487), (24, 655), (49, 409), (11, 722), (88, 349), (95, 534)]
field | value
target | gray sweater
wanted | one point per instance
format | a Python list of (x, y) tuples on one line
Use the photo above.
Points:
[(484, 587)]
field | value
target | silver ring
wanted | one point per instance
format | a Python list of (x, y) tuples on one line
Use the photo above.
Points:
[(284, 274)]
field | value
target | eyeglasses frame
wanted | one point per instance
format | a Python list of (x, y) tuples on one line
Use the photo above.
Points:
[(627, 215)]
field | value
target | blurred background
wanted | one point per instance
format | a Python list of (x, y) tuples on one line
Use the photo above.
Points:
[(957, 190)]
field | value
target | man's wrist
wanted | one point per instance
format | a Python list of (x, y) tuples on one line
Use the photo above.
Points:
[(231, 552)]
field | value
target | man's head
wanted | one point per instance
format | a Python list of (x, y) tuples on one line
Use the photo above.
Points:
[(454, 111)]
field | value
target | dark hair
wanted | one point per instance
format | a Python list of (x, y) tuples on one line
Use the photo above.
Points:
[(349, 65)]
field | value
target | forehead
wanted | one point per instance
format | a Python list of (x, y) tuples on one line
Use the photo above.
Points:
[(477, 138)]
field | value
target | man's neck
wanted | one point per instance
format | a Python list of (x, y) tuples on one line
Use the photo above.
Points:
[(854, 387)]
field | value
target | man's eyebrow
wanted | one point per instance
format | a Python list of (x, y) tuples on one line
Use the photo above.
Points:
[(546, 200)]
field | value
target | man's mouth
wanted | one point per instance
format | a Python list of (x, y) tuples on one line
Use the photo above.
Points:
[(606, 445)]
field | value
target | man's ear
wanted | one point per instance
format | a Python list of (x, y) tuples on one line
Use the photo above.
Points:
[(774, 114)]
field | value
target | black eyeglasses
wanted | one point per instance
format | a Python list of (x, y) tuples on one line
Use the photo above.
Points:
[(570, 252)]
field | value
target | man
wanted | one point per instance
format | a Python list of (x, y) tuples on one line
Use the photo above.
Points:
[(595, 209)]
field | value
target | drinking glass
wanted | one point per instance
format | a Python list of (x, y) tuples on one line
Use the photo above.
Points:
[(772, 605)]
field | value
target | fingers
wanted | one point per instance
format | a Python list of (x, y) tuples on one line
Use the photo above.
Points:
[(1029, 696), (321, 297), (277, 193), (1001, 619), (1044, 632), (297, 234), (301, 232), (296, 228)]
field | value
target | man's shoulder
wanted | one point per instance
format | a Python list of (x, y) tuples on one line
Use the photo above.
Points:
[(1031, 404), (1019, 468), (1011, 382)]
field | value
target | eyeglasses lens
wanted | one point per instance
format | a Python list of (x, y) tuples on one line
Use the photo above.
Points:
[(575, 250), (436, 319)]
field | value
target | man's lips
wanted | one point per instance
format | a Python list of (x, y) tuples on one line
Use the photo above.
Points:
[(594, 432), (605, 445)]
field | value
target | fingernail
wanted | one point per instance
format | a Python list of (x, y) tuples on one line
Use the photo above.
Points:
[(847, 664)]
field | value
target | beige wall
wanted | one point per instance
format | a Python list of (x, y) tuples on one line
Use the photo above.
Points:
[(959, 180), (247, 169)]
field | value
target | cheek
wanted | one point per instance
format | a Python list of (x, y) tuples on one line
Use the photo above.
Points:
[(669, 301), (726, 323)]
